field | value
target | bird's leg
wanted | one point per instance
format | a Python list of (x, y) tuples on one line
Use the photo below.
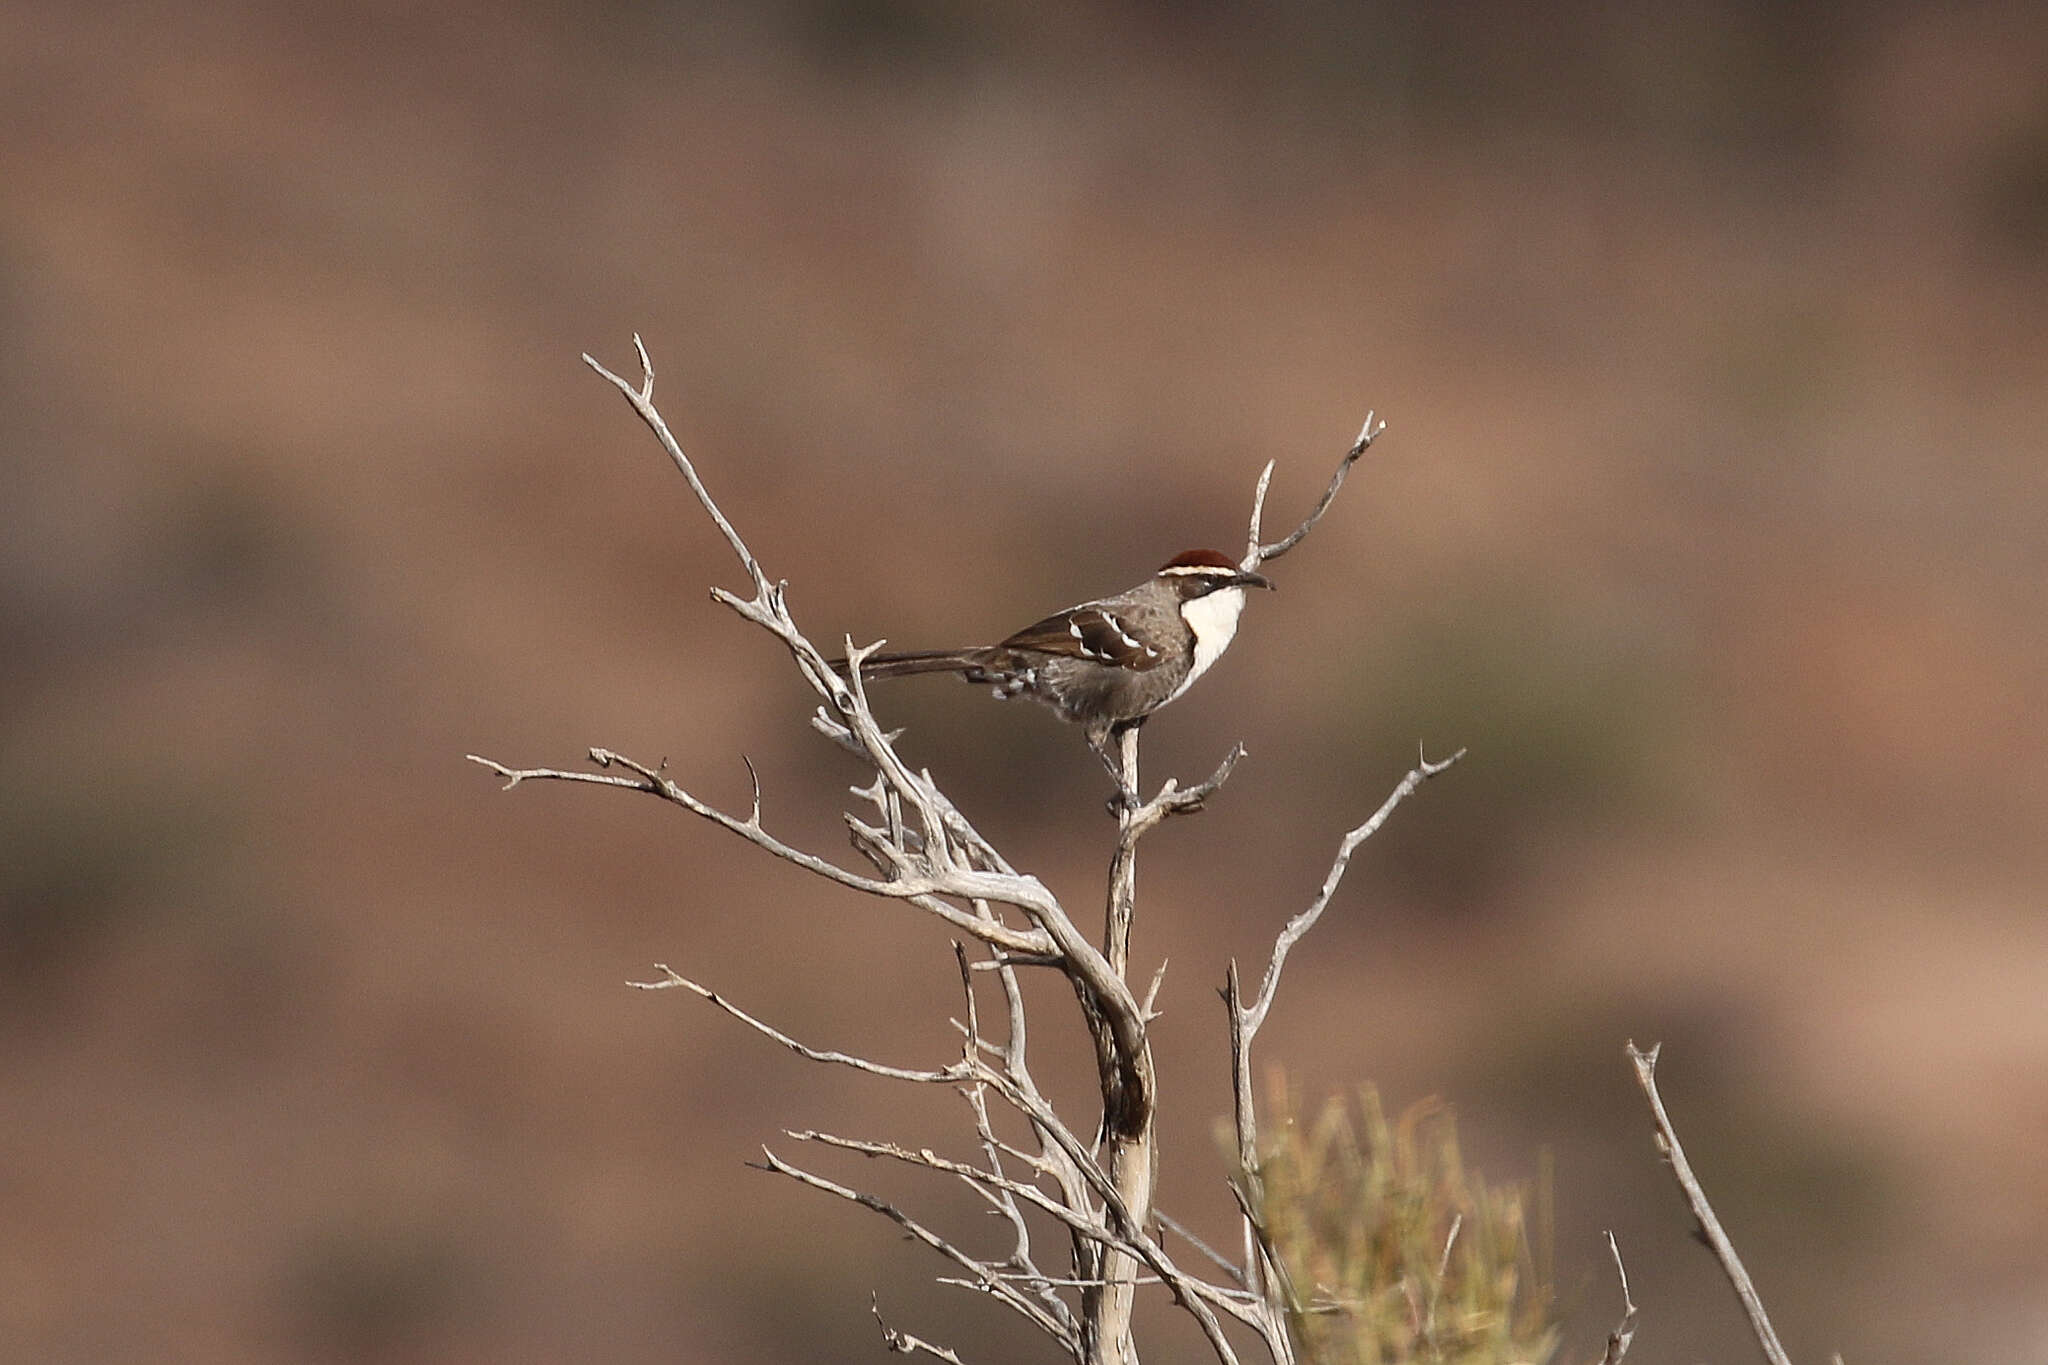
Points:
[(1108, 746)]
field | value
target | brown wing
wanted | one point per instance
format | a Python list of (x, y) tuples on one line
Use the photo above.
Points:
[(1088, 633)]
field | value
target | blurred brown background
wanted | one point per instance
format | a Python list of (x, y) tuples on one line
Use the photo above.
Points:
[(1711, 517)]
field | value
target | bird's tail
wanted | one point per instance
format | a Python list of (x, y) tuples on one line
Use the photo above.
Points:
[(919, 661)]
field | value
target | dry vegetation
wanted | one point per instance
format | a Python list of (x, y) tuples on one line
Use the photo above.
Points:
[(1397, 1251)]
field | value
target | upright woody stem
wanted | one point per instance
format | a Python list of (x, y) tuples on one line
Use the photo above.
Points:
[(1123, 867), (1129, 1110)]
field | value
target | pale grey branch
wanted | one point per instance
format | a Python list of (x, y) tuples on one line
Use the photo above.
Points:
[(1062, 1281), (670, 978), (921, 889), (1645, 1064), (984, 1276), (1624, 1331), (1303, 922), (1173, 799), (1152, 991), (1180, 1230), (1257, 554), (904, 1344), (1192, 1293), (1081, 1221), (1251, 538), (642, 399)]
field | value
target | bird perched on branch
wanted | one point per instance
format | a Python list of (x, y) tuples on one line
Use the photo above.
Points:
[(1107, 664)]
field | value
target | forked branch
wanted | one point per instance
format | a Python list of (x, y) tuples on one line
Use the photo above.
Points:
[(1247, 1017), (1255, 553), (926, 854)]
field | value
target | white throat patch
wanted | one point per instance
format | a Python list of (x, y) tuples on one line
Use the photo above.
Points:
[(1213, 619)]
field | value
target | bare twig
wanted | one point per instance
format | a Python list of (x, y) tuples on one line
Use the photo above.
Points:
[(1152, 991), (1716, 1238), (1256, 554), (1059, 1281), (904, 1344), (671, 978), (1303, 922), (916, 886), (982, 1274), (1222, 1262), (1624, 1331), (993, 1148), (1174, 799), (1197, 1296)]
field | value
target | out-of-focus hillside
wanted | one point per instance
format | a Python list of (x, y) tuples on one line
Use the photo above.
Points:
[(1714, 345)]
